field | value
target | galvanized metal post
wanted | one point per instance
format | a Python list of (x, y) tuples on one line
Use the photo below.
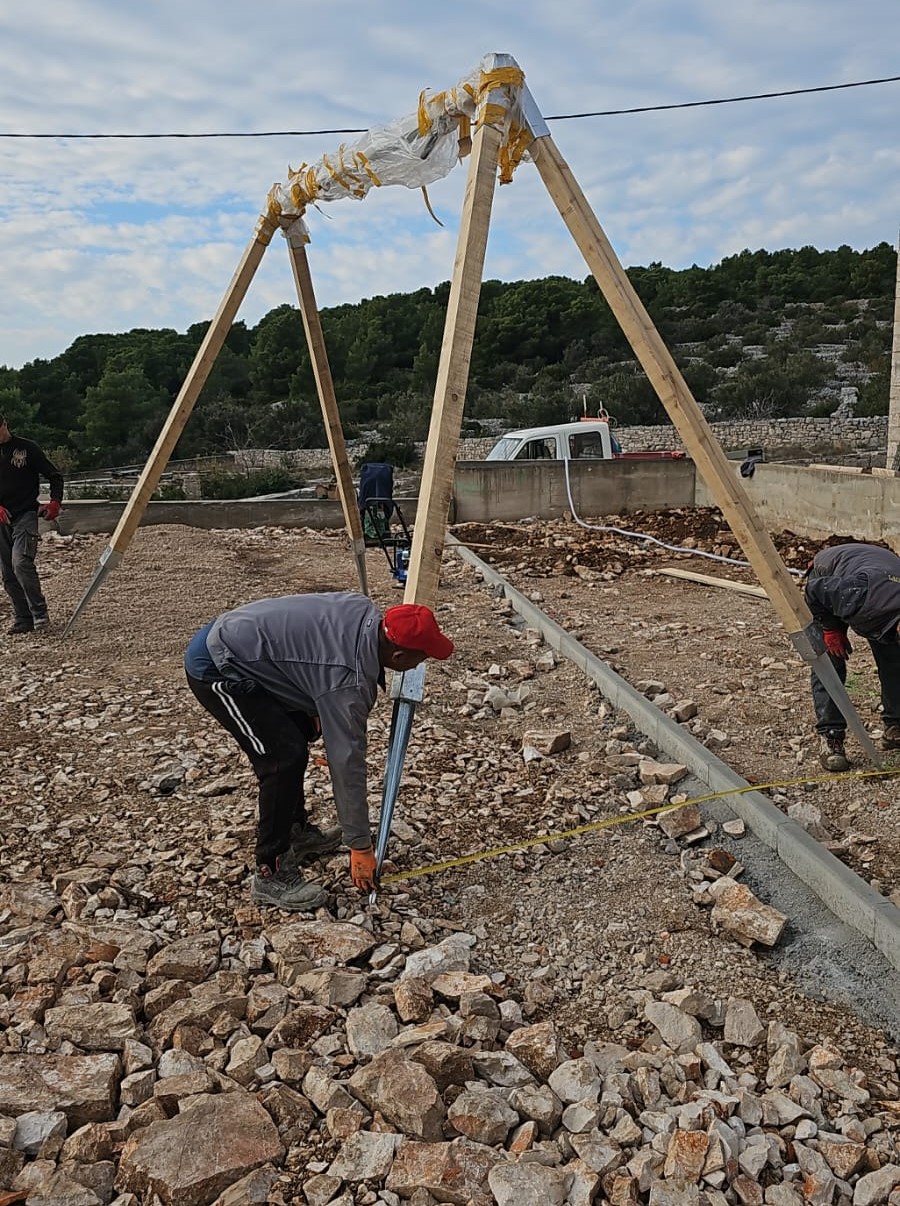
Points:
[(407, 689)]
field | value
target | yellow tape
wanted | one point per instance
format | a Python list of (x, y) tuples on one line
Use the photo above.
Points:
[(517, 143), (609, 822), (500, 77), (268, 222), (363, 162), (305, 186), (492, 115), (273, 205), (424, 119)]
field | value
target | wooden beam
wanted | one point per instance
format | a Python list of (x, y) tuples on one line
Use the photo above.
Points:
[(684, 412), (893, 438), (178, 415), (436, 487), (669, 384), (741, 588), (193, 384), (315, 339)]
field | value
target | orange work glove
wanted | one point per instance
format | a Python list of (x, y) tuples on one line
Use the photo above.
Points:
[(836, 642), (362, 869)]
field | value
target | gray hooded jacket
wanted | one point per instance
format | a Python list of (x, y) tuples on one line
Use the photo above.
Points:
[(856, 585), (318, 654)]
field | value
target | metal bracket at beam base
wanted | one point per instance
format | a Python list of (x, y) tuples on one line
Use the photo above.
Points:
[(534, 119), (407, 689), (808, 643), (409, 685), (109, 559)]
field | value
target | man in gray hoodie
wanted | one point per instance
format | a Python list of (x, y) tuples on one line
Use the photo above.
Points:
[(856, 586), (277, 673)]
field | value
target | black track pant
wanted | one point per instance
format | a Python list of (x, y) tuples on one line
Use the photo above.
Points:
[(277, 743), (829, 717)]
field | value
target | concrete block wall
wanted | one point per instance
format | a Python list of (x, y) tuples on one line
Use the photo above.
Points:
[(822, 500), (815, 501)]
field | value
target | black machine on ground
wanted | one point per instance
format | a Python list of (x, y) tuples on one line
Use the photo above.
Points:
[(384, 524)]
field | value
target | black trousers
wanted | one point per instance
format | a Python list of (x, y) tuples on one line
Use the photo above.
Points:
[(276, 741), (830, 719)]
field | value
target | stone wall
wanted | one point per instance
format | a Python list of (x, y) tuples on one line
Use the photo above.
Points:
[(848, 440), (843, 440)]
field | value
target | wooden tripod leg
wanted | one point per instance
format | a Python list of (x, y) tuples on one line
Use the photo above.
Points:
[(669, 384), (181, 410), (453, 372), (193, 384), (684, 412), (315, 340)]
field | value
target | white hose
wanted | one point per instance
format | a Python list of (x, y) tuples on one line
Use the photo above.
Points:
[(672, 548)]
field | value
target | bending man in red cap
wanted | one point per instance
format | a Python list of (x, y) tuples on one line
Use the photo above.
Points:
[(276, 674)]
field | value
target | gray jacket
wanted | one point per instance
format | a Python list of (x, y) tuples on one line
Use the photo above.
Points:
[(856, 585), (317, 654)]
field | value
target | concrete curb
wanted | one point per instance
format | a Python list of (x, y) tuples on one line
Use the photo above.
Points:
[(842, 891)]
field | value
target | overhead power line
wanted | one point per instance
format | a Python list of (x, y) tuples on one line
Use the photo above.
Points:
[(726, 100), (722, 100)]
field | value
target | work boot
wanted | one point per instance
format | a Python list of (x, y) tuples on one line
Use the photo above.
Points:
[(19, 626), (309, 841), (890, 739), (831, 752), (285, 887)]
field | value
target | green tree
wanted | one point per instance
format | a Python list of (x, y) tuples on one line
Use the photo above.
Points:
[(122, 415), (277, 350)]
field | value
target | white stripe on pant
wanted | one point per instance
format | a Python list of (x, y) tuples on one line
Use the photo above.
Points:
[(235, 713)]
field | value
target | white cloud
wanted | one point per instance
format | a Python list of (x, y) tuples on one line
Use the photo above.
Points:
[(107, 235)]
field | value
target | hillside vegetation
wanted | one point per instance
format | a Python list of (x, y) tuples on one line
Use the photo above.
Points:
[(761, 334)]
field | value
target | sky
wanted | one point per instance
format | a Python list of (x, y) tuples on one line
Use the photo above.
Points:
[(109, 235)]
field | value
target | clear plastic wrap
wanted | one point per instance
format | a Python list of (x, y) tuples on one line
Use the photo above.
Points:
[(414, 151)]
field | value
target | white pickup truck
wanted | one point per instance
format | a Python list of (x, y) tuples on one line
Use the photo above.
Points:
[(586, 439)]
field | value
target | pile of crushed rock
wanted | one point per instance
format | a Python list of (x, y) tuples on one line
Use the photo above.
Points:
[(341, 1062)]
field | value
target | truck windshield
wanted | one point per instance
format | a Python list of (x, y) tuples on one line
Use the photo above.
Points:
[(502, 450)]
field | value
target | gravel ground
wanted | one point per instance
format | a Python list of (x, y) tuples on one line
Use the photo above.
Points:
[(725, 651), (582, 928)]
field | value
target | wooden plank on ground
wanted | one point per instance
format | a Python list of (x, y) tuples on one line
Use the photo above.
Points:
[(741, 588)]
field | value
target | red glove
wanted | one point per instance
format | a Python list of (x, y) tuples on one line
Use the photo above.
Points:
[(362, 869), (50, 510), (4, 515), (836, 642)]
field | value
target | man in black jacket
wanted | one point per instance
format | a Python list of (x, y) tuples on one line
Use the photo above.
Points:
[(856, 586), (22, 464)]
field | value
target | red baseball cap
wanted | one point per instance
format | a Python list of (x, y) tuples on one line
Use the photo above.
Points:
[(411, 626)]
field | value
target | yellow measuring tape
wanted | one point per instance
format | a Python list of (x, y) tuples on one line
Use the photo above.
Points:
[(608, 823)]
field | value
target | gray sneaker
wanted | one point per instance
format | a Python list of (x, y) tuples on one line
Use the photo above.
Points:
[(41, 623), (309, 841), (285, 888), (831, 752)]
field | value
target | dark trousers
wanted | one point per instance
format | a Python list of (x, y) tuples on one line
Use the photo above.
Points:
[(277, 743), (18, 547), (830, 719)]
